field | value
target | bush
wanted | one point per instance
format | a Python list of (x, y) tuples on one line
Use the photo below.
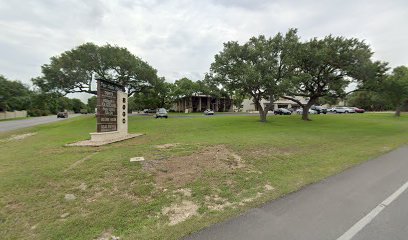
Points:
[(38, 112)]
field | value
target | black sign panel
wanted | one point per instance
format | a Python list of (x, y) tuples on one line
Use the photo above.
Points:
[(107, 109)]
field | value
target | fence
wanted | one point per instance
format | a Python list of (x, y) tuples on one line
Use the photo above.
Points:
[(15, 114)]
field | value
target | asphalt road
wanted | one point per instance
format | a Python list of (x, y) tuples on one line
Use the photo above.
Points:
[(23, 123), (366, 202)]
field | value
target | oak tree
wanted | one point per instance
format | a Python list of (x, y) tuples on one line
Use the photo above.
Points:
[(257, 68), (325, 67), (395, 88), (76, 70)]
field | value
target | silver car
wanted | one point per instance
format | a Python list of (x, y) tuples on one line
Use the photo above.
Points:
[(300, 111), (161, 113), (344, 110), (208, 112)]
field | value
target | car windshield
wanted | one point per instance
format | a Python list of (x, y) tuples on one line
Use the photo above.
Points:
[(162, 110)]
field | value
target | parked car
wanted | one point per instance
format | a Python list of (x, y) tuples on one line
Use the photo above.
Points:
[(331, 110), (300, 111), (282, 111), (358, 110), (351, 110), (208, 112), (150, 110), (339, 110), (319, 109), (62, 115), (344, 110), (161, 113)]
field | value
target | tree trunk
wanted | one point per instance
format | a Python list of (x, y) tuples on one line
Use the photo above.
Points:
[(262, 114), (305, 114), (305, 111), (398, 111)]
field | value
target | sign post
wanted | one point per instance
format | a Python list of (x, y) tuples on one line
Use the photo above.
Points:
[(107, 106)]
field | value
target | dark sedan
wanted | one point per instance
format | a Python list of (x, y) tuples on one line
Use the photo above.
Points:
[(62, 115), (282, 111), (319, 109)]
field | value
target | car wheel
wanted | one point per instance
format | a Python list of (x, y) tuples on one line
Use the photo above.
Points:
[(166, 117), (346, 112)]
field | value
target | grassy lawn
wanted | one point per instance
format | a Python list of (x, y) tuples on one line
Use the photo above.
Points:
[(211, 169), (12, 119)]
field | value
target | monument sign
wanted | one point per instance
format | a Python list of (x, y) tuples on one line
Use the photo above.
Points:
[(111, 116), (107, 107)]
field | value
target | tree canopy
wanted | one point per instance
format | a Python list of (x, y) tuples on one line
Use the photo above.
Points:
[(13, 95), (325, 67), (158, 95), (395, 88), (257, 68), (76, 70)]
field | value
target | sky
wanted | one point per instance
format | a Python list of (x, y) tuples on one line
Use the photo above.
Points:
[(179, 38)]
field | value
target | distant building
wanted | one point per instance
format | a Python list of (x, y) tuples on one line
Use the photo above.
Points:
[(199, 103), (249, 106)]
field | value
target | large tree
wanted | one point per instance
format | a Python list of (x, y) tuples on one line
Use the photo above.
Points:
[(369, 100), (257, 68), (325, 67), (91, 105), (186, 87), (76, 70), (159, 94), (13, 95), (395, 88)]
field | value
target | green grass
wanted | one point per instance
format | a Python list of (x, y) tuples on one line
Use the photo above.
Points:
[(124, 199), (12, 119)]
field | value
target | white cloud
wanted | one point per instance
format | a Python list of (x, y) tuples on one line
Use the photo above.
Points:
[(180, 38)]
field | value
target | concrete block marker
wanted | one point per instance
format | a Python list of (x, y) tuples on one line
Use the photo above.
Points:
[(137, 159), (69, 197)]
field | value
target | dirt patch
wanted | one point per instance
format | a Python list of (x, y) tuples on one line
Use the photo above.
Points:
[(107, 235), (180, 212), (181, 170), (167, 145), (250, 199), (186, 192), (268, 187), (216, 203), (18, 137), (82, 186)]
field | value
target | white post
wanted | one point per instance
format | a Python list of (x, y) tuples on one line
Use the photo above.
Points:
[(122, 119)]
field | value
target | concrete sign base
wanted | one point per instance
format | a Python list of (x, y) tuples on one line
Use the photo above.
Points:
[(91, 143)]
